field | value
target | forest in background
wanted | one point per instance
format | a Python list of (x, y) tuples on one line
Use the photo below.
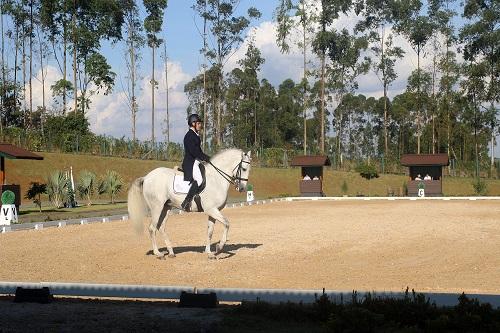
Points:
[(449, 107)]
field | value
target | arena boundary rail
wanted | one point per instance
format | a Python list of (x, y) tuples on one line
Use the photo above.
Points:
[(105, 219), (228, 294)]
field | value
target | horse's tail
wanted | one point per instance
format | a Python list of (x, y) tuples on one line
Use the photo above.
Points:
[(137, 209)]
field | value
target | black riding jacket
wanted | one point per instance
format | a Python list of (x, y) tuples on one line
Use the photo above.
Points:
[(192, 152)]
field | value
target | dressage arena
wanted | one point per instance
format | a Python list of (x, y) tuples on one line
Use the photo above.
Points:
[(376, 245)]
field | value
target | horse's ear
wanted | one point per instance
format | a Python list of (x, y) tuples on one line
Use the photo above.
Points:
[(249, 154)]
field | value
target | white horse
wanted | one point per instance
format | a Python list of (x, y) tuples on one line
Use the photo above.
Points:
[(155, 193)]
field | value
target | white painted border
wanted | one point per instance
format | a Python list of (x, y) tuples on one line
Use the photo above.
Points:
[(228, 294)]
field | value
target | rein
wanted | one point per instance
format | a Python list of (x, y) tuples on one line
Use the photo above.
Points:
[(231, 178)]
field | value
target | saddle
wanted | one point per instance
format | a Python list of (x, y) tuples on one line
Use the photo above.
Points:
[(182, 186)]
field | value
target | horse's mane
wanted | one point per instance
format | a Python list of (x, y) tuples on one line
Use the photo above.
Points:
[(226, 153)]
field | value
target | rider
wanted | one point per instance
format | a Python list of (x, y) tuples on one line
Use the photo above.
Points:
[(192, 156)]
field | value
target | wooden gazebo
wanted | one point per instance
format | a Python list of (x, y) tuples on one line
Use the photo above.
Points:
[(13, 152), (430, 165), (312, 167)]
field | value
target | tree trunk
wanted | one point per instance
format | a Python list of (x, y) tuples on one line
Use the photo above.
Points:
[(43, 79), (166, 88), (65, 74), (153, 98), (2, 107), (31, 62), (132, 79), (386, 141), (322, 122), (305, 76), (204, 132), (75, 90), (418, 101)]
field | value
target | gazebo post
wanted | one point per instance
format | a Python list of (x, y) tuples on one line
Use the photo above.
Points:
[(2, 170)]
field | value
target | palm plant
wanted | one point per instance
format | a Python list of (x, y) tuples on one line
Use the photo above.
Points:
[(87, 185), (111, 183), (57, 188)]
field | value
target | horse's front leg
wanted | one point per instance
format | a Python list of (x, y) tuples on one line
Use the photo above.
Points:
[(210, 231), (216, 214)]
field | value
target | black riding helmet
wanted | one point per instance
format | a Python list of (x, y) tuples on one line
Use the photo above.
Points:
[(193, 119)]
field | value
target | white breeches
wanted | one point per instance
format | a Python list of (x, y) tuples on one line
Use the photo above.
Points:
[(197, 173)]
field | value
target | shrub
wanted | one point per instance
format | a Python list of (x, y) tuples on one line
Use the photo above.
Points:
[(367, 171), (111, 184), (57, 188), (479, 186), (344, 188), (87, 185), (34, 193)]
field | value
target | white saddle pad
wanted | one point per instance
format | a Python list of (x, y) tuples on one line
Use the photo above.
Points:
[(181, 186)]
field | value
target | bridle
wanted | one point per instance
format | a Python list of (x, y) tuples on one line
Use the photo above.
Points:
[(233, 179)]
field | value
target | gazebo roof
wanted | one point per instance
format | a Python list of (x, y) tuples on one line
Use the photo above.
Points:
[(425, 160), (310, 161), (13, 152)]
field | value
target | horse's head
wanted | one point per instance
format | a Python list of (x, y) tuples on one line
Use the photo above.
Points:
[(242, 171)]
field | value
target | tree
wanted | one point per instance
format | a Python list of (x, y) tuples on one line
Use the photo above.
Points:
[(482, 49), (418, 29), (35, 192), (329, 11), (346, 64), (134, 41), (112, 184), (55, 17), (226, 29), (57, 188), (152, 25), (377, 17), (87, 185), (243, 90)]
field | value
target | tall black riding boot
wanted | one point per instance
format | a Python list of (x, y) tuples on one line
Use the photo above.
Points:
[(186, 204)]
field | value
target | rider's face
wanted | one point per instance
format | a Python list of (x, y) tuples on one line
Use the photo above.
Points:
[(198, 125)]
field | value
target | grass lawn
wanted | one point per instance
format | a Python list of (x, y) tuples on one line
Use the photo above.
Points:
[(267, 182)]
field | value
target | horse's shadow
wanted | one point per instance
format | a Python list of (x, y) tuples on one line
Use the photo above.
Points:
[(229, 249)]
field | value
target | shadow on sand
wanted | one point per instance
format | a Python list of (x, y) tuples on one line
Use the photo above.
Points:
[(229, 249)]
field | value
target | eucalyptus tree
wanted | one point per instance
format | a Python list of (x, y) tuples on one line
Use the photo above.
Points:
[(95, 21), (285, 11), (56, 16), (152, 25), (329, 12), (288, 112), (243, 90), (441, 13), (134, 42), (378, 17), (481, 38), (417, 29), (226, 28), (346, 64)]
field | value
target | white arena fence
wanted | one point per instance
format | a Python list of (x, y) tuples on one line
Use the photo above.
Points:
[(227, 294), (63, 223)]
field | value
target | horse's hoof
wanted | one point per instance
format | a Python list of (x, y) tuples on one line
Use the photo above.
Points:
[(218, 248), (211, 255), (171, 255), (162, 257)]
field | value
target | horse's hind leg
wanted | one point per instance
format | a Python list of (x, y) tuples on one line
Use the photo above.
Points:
[(157, 216), (161, 227), (210, 231), (216, 214)]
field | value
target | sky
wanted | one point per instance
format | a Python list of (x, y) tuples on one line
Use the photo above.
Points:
[(109, 115)]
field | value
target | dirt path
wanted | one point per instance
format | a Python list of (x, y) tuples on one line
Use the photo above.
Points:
[(364, 245)]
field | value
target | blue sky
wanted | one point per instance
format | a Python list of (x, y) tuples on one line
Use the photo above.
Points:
[(109, 115)]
